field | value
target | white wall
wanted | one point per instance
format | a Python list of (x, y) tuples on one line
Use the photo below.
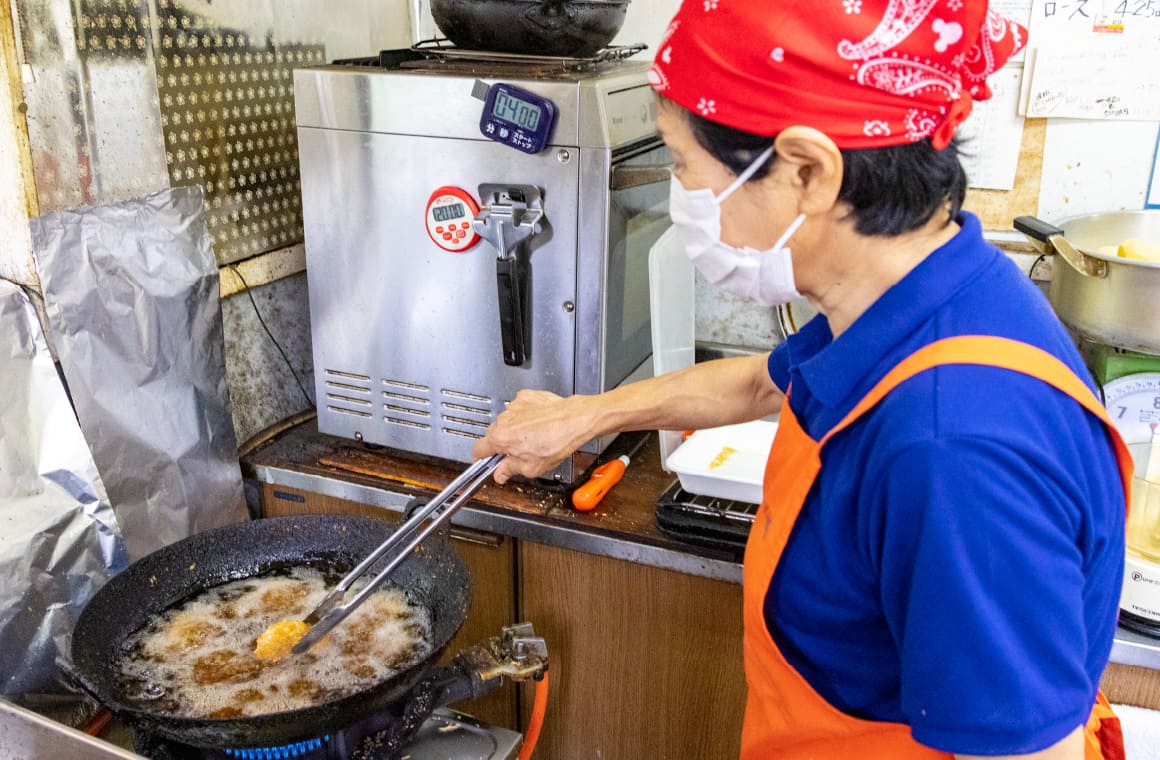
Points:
[(646, 22), (1092, 166)]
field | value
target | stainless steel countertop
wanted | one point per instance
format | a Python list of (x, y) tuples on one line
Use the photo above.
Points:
[(25, 735)]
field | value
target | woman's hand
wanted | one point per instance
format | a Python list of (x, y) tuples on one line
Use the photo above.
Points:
[(537, 431)]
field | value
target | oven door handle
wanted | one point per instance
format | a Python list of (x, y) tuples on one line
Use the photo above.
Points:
[(627, 177), (513, 276)]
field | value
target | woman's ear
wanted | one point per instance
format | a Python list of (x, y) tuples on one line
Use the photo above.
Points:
[(815, 164)]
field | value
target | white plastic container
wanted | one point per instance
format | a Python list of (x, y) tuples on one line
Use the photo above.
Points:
[(672, 291), (726, 462)]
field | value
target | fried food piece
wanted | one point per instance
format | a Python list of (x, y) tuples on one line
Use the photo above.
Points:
[(188, 633), (229, 711), (224, 665), (277, 640), (284, 598)]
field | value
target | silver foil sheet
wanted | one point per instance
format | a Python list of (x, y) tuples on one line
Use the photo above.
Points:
[(131, 292), (59, 538)]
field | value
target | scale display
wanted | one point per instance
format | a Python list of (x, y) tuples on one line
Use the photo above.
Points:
[(1133, 403), (517, 118)]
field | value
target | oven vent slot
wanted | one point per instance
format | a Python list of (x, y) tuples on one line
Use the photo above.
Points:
[(406, 410), (465, 396), (348, 399), (406, 398), (463, 433), (406, 385), (406, 423), (465, 409), (347, 387), (466, 422), (455, 410), (348, 393), (353, 412), (348, 375)]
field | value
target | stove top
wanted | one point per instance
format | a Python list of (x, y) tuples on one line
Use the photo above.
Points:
[(440, 56)]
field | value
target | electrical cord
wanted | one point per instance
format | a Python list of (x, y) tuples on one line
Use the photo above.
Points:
[(28, 289), (1035, 263), (270, 335)]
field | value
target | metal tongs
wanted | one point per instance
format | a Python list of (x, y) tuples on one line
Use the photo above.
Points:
[(330, 613)]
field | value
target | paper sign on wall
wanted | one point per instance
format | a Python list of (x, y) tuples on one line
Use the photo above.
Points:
[(1093, 59), (992, 134), (1101, 79)]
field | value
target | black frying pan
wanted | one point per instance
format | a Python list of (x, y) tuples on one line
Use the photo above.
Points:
[(531, 27), (434, 576)]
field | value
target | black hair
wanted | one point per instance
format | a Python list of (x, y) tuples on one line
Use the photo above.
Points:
[(890, 190)]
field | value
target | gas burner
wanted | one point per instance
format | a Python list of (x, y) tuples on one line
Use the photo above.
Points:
[(445, 735), (442, 50)]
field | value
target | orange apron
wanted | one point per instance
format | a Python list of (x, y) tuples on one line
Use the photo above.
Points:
[(784, 717)]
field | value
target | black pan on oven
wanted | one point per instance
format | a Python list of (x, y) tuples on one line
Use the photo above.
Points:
[(433, 576)]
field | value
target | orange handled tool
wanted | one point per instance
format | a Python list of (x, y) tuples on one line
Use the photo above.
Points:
[(586, 497)]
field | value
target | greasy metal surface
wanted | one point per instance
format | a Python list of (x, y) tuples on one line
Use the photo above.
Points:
[(433, 576), (623, 526), (130, 96), (93, 119), (604, 109), (226, 98), (420, 476)]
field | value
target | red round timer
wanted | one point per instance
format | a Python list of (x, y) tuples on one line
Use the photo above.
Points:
[(450, 210)]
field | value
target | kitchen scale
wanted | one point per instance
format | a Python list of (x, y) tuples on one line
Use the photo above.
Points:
[(1131, 388)]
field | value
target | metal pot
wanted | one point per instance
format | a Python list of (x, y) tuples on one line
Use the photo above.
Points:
[(575, 28), (433, 576), (1104, 298)]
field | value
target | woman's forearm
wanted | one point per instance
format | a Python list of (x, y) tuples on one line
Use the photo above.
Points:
[(705, 395)]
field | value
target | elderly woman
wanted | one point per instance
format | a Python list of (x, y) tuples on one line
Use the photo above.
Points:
[(936, 564)]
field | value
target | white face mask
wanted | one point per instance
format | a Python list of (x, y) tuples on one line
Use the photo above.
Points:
[(764, 276)]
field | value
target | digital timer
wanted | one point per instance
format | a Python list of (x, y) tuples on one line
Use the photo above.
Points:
[(450, 210), (516, 111), (517, 118)]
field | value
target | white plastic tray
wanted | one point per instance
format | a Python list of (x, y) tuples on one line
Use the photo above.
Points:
[(726, 462)]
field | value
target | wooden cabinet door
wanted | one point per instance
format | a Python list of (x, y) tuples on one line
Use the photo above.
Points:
[(490, 560), (644, 662)]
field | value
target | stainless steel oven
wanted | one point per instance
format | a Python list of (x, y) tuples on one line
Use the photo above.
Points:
[(450, 267)]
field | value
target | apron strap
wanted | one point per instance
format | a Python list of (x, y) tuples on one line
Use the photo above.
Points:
[(993, 351)]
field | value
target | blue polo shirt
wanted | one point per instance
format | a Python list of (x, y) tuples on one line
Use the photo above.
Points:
[(957, 565)]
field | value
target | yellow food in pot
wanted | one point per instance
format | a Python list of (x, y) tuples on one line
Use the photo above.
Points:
[(1140, 250), (276, 641)]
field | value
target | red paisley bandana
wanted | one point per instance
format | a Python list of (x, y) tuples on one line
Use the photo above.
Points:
[(868, 73)]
